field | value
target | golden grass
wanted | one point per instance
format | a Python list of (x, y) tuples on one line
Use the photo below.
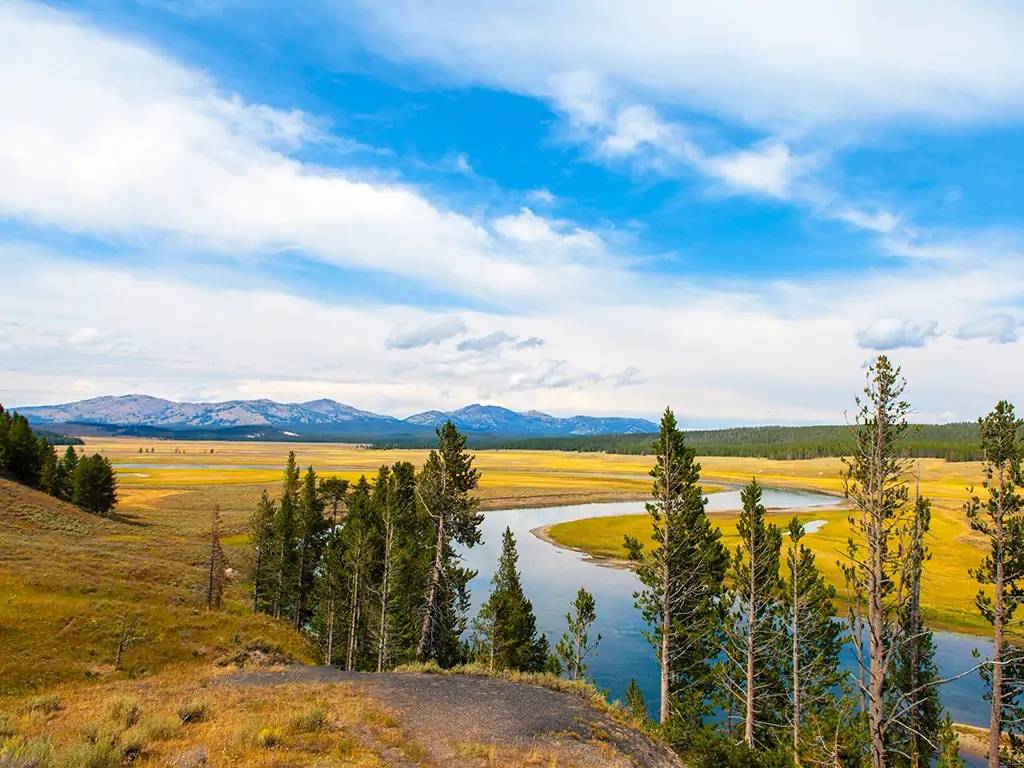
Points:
[(145, 723), (948, 592)]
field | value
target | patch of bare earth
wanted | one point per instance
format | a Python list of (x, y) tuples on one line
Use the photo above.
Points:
[(468, 720)]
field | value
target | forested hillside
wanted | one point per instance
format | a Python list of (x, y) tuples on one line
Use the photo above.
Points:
[(954, 442)]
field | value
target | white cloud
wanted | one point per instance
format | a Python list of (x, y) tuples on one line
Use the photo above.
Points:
[(999, 329), (541, 196), (776, 65), (104, 136), (434, 332), (890, 333), (696, 347), (487, 343)]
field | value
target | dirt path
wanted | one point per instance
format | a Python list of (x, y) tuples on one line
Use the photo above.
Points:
[(466, 720)]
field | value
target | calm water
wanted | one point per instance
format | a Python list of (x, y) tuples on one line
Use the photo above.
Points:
[(551, 577)]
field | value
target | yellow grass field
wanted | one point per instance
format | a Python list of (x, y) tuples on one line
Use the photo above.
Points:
[(948, 591)]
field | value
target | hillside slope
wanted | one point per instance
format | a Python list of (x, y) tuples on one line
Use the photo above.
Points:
[(70, 581)]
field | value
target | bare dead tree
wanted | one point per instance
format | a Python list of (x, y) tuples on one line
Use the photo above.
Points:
[(126, 637), (216, 565)]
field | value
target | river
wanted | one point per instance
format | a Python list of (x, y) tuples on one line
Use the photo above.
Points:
[(551, 576)]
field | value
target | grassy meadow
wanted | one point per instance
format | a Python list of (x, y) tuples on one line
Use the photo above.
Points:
[(948, 592), (70, 581)]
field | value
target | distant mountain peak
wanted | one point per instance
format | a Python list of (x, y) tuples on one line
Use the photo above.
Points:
[(320, 416)]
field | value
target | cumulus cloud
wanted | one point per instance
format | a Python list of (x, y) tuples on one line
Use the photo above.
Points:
[(485, 343), (894, 333), (534, 342), (107, 137), (999, 329), (855, 62), (415, 336)]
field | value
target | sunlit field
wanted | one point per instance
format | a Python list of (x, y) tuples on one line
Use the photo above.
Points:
[(948, 592), (179, 480)]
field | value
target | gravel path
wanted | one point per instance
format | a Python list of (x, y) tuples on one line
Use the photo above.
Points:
[(445, 713)]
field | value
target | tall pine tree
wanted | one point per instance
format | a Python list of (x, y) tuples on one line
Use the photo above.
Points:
[(815, 640), (753, 675), (512, 640), (999, 519), (444, 489), (682, 577)]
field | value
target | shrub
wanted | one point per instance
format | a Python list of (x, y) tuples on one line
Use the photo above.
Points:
[(16, 752), (46, 704), (100, 754), (193, 711), (311, 719), (269, 737), (124, 711), (158, 727)]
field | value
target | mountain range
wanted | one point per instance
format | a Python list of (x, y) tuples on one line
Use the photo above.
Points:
[(316, 419)]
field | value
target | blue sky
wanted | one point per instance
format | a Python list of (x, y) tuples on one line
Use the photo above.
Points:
[(576, 207)]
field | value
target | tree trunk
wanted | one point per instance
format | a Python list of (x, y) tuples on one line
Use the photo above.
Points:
[(427, 630), (385, 590), (352, 621), (297, 619), (995, 724), (748, 729), (666, 629), (256, 580), (330, 632), (796, 664)]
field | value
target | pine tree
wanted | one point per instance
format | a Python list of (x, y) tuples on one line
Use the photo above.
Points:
[(999, 519), (512, 627), (815, 641), (445, 490), (216, 566), (285, 539), (332, 492), (401, 576), (949, 746), (331, 589), (49, 474), (312, 527), (752, 674), (683, 581), (410, 561), (914, 684), (358, 550), (635, 701), (94, 486), (22, 456), (881, 533), (68, 465), (574, 646), (261, 537)]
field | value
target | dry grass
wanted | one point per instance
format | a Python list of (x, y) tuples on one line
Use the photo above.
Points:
[(140, 722), (69, 579)]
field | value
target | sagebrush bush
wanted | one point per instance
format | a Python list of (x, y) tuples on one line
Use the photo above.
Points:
[(269, 737), (46, 704), (124, 711), (309, 720), (16, 752), (193, 711)]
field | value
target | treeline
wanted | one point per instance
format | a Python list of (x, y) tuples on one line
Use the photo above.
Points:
[(371, 572), (31, 459), (953, 442)]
